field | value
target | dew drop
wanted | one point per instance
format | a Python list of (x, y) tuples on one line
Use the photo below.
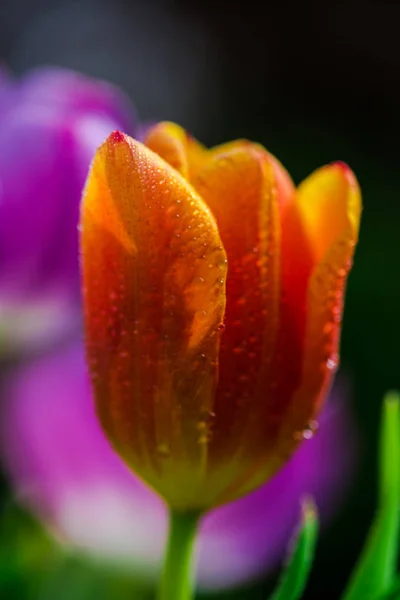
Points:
[(328, 328), (308, 432), (237, 350), (332, 362), (163, 450)]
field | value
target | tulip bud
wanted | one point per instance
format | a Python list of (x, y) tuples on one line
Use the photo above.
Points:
[(213, 295)]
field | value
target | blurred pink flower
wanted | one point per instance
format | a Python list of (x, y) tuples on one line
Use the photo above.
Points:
[(51, 122)]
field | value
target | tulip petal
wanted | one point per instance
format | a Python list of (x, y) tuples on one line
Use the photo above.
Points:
[(330, 206), (177, 148), (324, 224), (238, 185), (154, 287)]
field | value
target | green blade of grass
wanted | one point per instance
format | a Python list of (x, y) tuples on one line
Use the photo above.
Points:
[(376, 568), (295, 575), (393, 593)]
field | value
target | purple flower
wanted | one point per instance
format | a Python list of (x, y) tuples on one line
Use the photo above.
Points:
[(63, 468), (51, 122)]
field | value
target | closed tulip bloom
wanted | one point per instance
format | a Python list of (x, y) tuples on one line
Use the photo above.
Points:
[(213, 295)]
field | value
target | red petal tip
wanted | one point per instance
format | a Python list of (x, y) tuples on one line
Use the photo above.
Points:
[(116, 137), (344, 166), (347, 172)]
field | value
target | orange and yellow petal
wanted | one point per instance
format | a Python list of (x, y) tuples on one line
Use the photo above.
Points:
[(330, 204), (177, 148), (328, 210), (238, 185), (154, 270), (332, 197)]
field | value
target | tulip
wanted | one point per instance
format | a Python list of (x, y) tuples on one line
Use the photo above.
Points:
[(213, 298), (63, 469), (51, 122)]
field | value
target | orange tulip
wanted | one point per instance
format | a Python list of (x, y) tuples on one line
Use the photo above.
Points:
[(213, 294)]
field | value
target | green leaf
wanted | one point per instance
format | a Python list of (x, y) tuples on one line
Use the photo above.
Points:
[(376, 568), (392, 594), (295, 576)]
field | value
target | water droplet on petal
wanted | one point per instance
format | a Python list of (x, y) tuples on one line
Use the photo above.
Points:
[(332, 362), (308, 432), (163, 450)]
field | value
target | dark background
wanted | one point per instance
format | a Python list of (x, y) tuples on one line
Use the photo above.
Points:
[(314, 82)]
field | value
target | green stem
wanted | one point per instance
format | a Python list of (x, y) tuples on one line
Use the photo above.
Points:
[(176, 579)]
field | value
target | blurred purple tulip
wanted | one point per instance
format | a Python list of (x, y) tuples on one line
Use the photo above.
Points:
[(51, 122), (63, 468)]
